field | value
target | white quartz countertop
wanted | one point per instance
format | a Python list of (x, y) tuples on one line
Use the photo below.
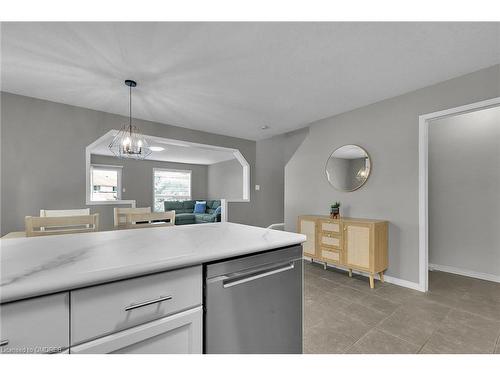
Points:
[(42, 265)]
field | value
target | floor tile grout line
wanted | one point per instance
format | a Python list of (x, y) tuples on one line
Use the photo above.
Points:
[(371, 329), (378, 326), (497, 343), (452, 305), (477, 315), (397, 337), (435, 329)]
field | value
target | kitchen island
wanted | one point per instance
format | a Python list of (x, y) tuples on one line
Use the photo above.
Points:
[(134, 291)]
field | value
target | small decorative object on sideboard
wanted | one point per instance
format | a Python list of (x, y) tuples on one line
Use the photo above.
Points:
[(335, 210)]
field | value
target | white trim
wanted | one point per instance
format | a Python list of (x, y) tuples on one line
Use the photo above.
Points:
[(468, 273), (387, 278), (403, 283), (107, 165), (88, 201), (423, 170), (223, 213), (119, 170), (172, 170), (236, 153)]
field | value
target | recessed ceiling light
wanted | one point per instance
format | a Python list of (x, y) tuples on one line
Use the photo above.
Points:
[(265, 127), (156, 148)]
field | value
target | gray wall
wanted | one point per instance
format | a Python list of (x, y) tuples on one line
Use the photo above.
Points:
[(388, 130), (225, 180), (137, 179), (464, 191), (43, 156), (272, 155)]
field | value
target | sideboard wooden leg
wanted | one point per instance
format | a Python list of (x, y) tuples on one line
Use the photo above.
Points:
[(350, 272), (372, 281), (381, 274)]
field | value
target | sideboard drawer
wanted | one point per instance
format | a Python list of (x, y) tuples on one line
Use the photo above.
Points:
[(104, 309), (37, 325), (327, 239), (330, 226), (330, 255)]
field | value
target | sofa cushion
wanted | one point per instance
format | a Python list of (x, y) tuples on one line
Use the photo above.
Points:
[(205, 218), (212, 206), (184, 211), (188, 205), (180, 207), (200, 207), (185, 218)]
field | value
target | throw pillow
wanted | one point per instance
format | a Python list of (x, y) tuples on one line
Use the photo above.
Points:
[(200, 207)]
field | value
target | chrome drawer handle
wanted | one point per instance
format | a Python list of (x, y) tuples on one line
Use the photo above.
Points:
[(4, 342), (147, 303), (229, 283)]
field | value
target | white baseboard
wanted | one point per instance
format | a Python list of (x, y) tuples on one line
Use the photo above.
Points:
[(387, 278), (460, 271)]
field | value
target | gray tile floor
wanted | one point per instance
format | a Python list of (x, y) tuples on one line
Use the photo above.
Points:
[(343, 315)]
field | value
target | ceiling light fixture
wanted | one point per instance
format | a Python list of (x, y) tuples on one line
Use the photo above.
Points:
[(265, 127), (156, 148), (129, 143)]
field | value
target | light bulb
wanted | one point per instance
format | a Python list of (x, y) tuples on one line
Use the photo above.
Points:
[(139, 143), (126, 141)]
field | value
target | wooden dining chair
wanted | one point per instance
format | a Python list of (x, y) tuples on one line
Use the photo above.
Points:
[(60, 213), (46, 226), (120, 214), (147, 220)]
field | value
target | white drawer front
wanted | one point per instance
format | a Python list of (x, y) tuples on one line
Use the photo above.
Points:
[(104, 309), (37, 325), (330, 227), (177, 334)]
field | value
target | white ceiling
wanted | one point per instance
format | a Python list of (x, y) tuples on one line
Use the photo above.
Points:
[(233, 78), (178, 153)]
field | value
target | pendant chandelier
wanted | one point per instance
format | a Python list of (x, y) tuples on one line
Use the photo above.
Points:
[(129, 143)]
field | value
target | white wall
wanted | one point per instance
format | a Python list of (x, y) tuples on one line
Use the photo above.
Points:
[(464, 192), (388, 130)]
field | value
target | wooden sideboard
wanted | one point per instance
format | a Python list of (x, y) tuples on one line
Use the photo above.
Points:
[(354, 244)]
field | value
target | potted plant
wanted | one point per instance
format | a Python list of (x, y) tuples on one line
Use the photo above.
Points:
[(335, 210)]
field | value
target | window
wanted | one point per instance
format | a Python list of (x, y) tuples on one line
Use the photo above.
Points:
[(170, 185), (105, 183)]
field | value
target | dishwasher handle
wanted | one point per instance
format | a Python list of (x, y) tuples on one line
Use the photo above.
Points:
[(237, 280)]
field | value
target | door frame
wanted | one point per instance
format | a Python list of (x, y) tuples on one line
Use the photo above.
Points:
[(423, 175)]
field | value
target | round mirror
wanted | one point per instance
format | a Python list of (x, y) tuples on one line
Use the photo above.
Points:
[(348, 168)]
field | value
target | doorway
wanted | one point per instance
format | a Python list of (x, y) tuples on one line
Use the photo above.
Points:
[(425, 121)]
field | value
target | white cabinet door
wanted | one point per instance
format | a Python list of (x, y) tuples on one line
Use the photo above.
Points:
[(35, 326), (177, 334)]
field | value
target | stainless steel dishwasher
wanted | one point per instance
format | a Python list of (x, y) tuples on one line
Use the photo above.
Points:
[(253, 304)]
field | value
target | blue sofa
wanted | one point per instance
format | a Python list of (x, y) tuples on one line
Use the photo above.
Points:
[(184, 212)]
